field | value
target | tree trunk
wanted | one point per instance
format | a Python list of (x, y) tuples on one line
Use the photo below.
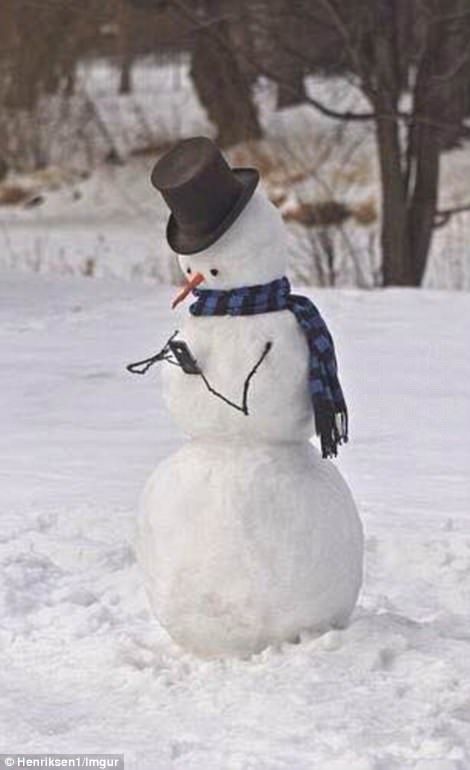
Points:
[(422, 208), (396, 268), (290, 68), (438, 101), (223, 87), (3, 168), (385, 89), (125, 79), (291, 92), (70, 80), (22, 91), (125, 48)]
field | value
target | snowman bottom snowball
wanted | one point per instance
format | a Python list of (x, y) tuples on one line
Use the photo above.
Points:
[(246, 546), (247, 535)]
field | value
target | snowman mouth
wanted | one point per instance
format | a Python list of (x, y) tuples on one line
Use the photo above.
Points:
[(187, 289)]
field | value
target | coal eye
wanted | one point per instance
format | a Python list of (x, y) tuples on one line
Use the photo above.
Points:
[(214, 271), (188, 270)]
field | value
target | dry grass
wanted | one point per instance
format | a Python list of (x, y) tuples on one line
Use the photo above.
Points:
[(53, 177), (358, 173), (26, 189), (260, 154), (155, 149), (277, 195), (365, 213), (323, 213), (13, 195)]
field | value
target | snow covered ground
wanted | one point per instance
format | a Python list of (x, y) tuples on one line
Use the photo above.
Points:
[(84, 667)]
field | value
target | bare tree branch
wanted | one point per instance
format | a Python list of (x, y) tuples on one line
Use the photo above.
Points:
[(329, 112), (346, 115), (457, 67), (442, 217), (355, 57), (450, 17)]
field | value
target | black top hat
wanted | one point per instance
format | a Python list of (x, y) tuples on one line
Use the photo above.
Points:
[(204, 194)]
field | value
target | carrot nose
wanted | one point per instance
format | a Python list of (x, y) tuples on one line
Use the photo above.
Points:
[(195, 281)]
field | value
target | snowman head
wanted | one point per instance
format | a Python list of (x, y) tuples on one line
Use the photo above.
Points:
[(251, 252)]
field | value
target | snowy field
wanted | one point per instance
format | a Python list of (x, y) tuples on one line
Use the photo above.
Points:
[(84, 667)]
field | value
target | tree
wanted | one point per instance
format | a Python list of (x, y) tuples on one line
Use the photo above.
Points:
[(391, 50), (220, 68), (217, 35), (395, 49), (224, 84), (423, 48)]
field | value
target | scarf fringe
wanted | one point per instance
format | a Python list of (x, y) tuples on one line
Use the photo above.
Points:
[(332, 428)]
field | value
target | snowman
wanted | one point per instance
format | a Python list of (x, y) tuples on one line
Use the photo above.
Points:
[(248, 535)]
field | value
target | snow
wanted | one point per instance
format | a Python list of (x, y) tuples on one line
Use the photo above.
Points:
[(83, 664)]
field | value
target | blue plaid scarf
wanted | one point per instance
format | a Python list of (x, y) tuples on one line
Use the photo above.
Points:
[(329, 406)]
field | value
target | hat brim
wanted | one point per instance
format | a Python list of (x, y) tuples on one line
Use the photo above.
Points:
[(190, 243)]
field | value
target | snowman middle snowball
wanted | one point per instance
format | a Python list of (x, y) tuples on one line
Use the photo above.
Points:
[(247, 536), (252, 252)]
